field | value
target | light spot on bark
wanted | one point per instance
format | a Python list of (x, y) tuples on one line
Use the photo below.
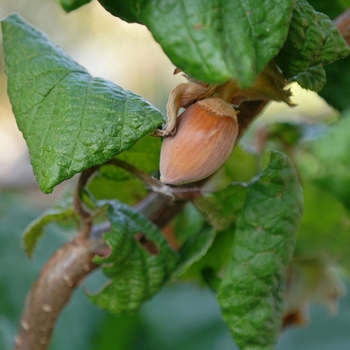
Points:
[(25, 325), (68, 280), (47, 308)]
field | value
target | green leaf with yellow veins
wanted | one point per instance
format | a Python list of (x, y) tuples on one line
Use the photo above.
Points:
[(214, 40), (70, 120), (313, 40), (250, 293), (136, 273)]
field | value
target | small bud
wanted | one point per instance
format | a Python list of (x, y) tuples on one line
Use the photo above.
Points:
[(206, 134)]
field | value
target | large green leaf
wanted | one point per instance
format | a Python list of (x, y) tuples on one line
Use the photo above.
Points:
[(136, 274), (312, 41), (251, 291), (70, 120), (213, 40)]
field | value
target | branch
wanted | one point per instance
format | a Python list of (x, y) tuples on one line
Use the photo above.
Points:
[(343, 24), (248, 111), (50, 293), (65, 270)]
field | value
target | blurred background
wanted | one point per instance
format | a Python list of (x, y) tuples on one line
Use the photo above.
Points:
[(183, 315)]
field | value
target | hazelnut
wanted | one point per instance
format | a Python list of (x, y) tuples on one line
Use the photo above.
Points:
[(206, 134)]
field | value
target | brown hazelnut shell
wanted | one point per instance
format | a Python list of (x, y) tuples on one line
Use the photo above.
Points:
[(206, 134)]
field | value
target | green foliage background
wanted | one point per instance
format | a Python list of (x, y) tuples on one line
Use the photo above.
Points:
[(181, 316)]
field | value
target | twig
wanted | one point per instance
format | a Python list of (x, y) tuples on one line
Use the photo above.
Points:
[(343, 24), (175, 193), (84, 215)]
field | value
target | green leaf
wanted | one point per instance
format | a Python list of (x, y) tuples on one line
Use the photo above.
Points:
[(242, 165), (113, 182), (330, 8), (70, 5), (206, 253), (144, 154), (207, 266), (194, 249), (128, 11), (324, 229), (314, 78), (332, 164), (288, 133), (337, 89), (251, 291), (215, 40), (222, 208), (61, 212), (136, 274), (128, 191), (187, 224), (313, 40), (70, 120)]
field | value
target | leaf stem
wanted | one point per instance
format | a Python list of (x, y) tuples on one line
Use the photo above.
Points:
[(175, 193), (84, 215)]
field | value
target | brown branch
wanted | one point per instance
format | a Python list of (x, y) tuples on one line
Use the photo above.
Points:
[(67, 267), (248, 110), (343, 24), (50, 293)]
